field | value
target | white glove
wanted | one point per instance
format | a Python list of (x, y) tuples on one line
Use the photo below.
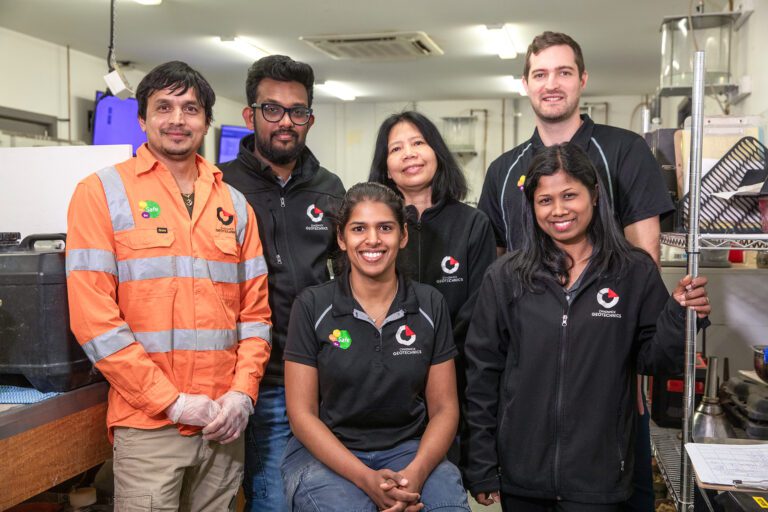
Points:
[(236, 406), (196, 410)]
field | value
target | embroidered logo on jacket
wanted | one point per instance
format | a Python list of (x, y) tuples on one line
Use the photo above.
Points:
[(149, 209), (449, 265), (224, 217), (608, 299), (340, 338), (315, 214)]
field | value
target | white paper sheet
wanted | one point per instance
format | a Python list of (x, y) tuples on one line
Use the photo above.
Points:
[(730, 464)]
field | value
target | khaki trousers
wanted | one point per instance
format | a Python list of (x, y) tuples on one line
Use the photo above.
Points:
[(162, 470)]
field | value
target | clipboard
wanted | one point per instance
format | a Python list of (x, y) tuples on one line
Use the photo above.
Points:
[(730, 467)]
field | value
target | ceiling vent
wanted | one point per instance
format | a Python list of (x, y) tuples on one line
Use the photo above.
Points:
[(391, 45)]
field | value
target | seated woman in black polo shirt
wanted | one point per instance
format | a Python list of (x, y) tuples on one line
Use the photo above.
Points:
[(369, 377)]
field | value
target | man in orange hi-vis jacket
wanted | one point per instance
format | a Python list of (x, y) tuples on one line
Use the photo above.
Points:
[(168, 297)]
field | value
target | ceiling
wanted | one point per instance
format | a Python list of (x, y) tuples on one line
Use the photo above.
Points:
[(620, 39)]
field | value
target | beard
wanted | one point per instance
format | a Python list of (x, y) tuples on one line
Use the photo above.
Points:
[(278, 153), (555, 117)]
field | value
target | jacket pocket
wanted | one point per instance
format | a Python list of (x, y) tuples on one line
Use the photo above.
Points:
[(143, 238), (146, 264), (226, 244)]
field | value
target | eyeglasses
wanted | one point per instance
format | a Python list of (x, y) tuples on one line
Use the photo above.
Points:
[(274, 113)]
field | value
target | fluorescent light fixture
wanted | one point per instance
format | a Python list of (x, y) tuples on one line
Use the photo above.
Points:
[(244, 46), (515, 85), (337, 89), (148, 2), (501, 37)]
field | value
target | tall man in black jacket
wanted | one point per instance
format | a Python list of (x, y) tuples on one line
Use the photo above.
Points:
[(291, 195), (554, 78)]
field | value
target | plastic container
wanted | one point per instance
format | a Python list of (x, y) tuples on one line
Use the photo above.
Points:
[(34, 320)]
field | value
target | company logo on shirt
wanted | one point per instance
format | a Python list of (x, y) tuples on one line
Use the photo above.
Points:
[(449, 265), (224, 217), (521, 182), (340, 338), (314, 213), (149, 209), (405, 336), (608, 299)]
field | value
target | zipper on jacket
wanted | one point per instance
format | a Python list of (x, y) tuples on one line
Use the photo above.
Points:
[(559, 398), (618, 443), (418, 266), (291, 259), (278, 258)]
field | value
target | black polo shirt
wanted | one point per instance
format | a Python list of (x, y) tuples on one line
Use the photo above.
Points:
[(371, 381), (622, 158)]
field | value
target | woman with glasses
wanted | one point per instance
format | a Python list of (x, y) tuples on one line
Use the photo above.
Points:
[(450, 244), (369, 377)]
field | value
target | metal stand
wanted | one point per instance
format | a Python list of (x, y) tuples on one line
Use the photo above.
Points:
[(694, 182)]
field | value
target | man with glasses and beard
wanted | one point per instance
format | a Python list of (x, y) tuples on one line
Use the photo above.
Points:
[(292, 196)]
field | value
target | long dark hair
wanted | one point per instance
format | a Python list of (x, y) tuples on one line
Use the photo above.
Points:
[(449, 181), (539, 255), (366, 191)]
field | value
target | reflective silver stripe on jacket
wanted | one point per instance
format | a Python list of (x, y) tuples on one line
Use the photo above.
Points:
[(117, 199), (138, 269), (247, 330), (187, 339), (251, 268), (96, 260), (239, 204), (108, 343)]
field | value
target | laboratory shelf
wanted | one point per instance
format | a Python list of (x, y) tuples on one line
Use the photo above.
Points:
[(717, 241)]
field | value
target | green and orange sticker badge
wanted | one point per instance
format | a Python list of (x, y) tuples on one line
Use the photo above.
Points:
[(340, 338)]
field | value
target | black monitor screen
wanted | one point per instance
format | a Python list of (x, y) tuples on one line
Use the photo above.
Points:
[(116, 121), (229, 141)]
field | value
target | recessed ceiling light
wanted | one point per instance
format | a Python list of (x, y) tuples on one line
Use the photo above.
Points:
[(338, 89), (501, 37), (244, 46), (515, 85), (148, 2)]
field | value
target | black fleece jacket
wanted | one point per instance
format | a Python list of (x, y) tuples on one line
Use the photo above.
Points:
[(295, 231), (551, 384), (450, 247)]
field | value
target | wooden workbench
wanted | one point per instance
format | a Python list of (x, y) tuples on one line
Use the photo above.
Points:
[(44, 444)]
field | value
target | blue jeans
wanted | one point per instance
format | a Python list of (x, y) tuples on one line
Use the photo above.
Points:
[(267, 433), (310, 486)]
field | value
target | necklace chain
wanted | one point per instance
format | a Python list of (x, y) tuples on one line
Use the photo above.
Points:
[(189, 199), (386, 307)]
